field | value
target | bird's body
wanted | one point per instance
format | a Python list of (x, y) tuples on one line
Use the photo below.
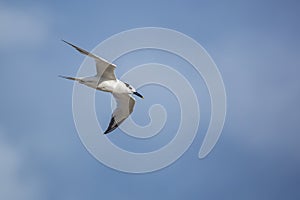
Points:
[(105, 80)]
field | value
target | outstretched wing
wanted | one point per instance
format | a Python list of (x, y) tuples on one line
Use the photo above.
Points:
[(105, 70), (125, 104)]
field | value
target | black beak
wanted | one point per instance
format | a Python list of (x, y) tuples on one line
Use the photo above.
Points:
[(138, 94)]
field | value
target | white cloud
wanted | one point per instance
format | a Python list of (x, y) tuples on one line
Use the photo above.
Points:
[(261, 76), (20, 27), (13, 185)]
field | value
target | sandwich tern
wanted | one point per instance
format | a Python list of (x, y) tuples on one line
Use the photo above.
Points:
[(105, 80)]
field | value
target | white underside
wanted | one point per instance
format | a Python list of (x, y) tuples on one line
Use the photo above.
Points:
[(113, 86)]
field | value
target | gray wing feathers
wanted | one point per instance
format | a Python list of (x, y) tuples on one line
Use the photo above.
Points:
[(125, 104), (105, 70)]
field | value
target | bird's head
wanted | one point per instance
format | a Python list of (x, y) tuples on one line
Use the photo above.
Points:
[(132, 90)]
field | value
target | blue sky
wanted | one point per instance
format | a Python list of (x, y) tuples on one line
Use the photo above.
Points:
[(255, 45)]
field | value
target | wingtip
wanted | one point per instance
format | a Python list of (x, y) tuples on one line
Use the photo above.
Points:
[(67, 42), (68, 77), (63, 40), (106, 132)]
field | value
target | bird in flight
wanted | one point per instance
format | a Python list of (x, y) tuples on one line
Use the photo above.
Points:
[(105, 80)]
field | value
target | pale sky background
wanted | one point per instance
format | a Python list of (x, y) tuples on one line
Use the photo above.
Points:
[(256, 47)]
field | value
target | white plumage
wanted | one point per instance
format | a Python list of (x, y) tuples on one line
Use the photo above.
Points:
[(105, 80)]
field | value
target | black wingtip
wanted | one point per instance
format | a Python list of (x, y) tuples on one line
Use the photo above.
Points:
[(61, 76), (68, 43), (112, 126), (108, 131), (64, 41)]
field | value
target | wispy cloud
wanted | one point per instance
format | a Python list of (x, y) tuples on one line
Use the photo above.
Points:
[(262, 83), (22, 28), (13, 185)]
